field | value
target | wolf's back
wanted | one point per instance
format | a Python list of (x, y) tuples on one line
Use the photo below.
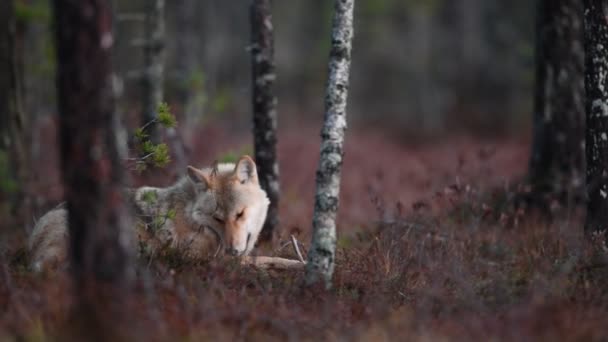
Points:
[(48, 243)]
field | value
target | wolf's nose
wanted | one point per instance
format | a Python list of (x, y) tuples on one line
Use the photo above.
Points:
[(232, 251)]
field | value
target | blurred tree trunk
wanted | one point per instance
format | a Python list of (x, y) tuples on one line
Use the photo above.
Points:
[(264, 110), (153, 77), (557, 161), (186, 41), (92, 172), (14, 146), (596, 106), (322, 254), (186, 51), (473, 49)]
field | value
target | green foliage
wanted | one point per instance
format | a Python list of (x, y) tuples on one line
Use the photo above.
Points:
[(160, 218), (171, 214), (149, 197), (158, 222), (149, 153), (147, 147), (165, 117), (140, 134), (38, 11), (161, 155)]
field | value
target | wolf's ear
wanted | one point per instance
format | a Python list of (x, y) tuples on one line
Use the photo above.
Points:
[(199, 178), (245, 170)]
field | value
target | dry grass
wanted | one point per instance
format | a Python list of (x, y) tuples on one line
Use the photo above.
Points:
[(431, 247)]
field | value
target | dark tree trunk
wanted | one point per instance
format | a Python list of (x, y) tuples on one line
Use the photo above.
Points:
[(186, 45), (264, 110), (13, 137), (154, 48), (322, 254), (92, 172), (558, 161), (596, 106)]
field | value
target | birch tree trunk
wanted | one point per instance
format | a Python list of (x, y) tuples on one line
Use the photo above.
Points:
[(92, 172), (153, 77), (596, 106), (14, 140), (264, 110), (558, 161), (322, 254)]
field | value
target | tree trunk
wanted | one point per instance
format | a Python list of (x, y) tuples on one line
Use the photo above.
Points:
[(92, 172), (187, 64), (558, 161), (154, 47), (187, 48), (321, 258), (596, 70), (13, 136), (264, 110)]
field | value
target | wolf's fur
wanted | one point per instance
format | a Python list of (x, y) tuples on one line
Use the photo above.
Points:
[(48, 241), (195, 216)]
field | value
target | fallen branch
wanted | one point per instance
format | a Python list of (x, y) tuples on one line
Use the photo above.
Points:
[(275, 263)]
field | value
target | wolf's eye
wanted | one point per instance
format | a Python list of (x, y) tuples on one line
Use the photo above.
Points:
[(240, 214), (218, 219)]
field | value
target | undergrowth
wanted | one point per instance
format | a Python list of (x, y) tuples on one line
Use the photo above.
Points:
[(460, 274)]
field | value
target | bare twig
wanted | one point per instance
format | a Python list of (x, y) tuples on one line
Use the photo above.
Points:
[(297, 249)]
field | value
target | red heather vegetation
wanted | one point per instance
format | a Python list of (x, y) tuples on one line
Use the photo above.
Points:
[(431, 247)]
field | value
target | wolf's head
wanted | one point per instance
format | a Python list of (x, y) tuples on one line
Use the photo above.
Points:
[(242, 207), (205, 205)]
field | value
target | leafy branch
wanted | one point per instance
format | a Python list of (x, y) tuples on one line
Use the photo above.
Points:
[(148, 153)]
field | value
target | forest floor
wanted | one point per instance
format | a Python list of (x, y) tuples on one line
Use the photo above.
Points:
[(431, 247)]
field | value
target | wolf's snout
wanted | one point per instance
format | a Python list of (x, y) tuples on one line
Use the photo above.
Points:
[(232, 251)]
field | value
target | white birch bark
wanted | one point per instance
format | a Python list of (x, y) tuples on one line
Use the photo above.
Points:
[(321, 258)]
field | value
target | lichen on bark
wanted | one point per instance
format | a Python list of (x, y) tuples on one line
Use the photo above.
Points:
[(557, 160), (596, 68), (264, 110), (322, 255)]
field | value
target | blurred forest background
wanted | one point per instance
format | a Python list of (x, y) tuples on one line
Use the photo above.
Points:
[(419, 66), (423, 71)]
